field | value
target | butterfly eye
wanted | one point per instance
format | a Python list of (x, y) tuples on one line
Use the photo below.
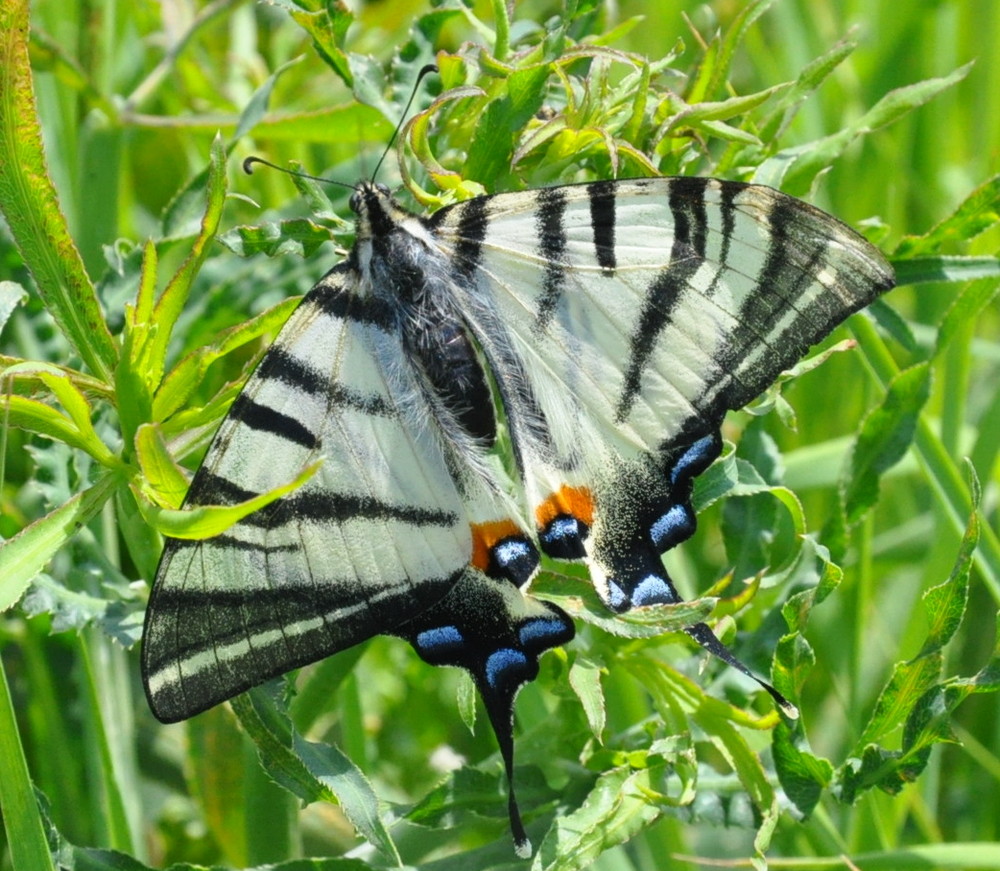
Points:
[(354, 203), (382, 188)]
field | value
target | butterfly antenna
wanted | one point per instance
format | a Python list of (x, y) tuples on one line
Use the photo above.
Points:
[(424, 71), (252, 159)]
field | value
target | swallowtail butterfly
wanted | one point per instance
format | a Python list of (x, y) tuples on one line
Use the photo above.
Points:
[(605, 328)]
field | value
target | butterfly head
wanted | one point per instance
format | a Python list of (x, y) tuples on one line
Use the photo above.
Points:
[(378, 213)]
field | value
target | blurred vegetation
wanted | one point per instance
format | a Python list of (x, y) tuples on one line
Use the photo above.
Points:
[(875, 585)]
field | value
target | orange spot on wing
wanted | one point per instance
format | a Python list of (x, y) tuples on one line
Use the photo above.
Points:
[(575, 501), (486, 535)]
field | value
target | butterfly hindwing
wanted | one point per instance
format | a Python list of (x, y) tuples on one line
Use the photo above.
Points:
[(487, 626)]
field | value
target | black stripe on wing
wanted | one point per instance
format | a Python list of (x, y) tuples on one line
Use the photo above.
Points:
[(331, 507), (207, 488), (263, 418), (602, 222), (281, 365), (312, 505), (205, 645), (335, 301), (687, 254), (551, 251), (469, 234)]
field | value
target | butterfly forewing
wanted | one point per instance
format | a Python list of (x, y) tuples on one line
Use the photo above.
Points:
[(650, 307), (621, 320), (379, 533)]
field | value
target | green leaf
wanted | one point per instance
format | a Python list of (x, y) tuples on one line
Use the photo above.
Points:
[(253, 112), (885, 435), (37, 417), (747, 765), (327, 24), (136, 379), (186, 377), (945, 604), (31, 205), (973, 299), (938, 267), (802, 775), (313, 772), (808, 80), (72, 399), (489, 158), (794, 169), (979, 211), (909, 681), (206, 521), (27, 553), (170, 304), (165, 480), (26, 842), (299, 237), (617, 808), (888, 770), (585, 678), (11, 296)]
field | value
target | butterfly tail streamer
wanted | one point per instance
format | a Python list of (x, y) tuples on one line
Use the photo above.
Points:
[(703, 634), (487, 626)]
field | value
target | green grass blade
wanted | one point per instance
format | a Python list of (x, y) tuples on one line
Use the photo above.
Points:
[(31, 206), (22, 820)]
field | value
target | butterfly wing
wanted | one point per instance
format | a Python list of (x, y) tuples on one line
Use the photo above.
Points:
[(377, 535), (621, 321)]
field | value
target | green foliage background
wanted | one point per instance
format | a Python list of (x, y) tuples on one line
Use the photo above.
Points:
[(892, 688)]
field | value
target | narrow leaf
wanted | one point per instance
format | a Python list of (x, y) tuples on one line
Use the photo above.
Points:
[(11, 296), (31, 205), (165, 479), (42, 419), (915, 270), (171, 303), (26, 842), (186, 376), (585, 678), (312, 771), (885, 436), (616, 809), (27, 553), (794, 169), (207, 521), (976, 213)]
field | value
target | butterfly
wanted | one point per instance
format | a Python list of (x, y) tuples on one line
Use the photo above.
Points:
[(597, 332)]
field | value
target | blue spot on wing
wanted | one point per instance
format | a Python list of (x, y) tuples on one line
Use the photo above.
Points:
[(696, 458), (513, 559), (543, 633), (502, 662), (653, 590), (439, 640), (674, 525), (617, 599), (563, 527), (563, 537)]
